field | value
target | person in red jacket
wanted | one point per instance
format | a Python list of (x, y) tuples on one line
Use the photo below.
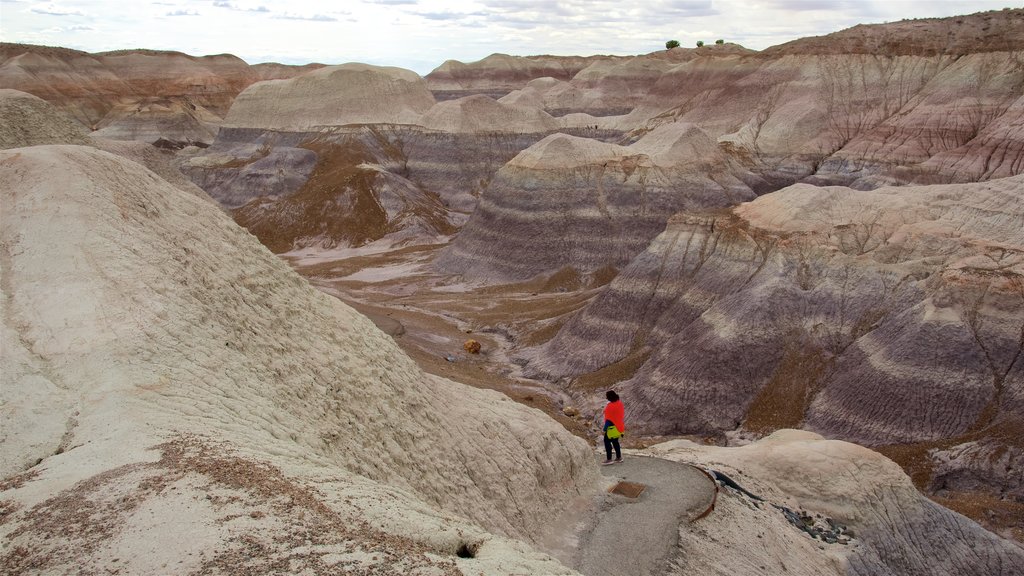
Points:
[(614, 426)]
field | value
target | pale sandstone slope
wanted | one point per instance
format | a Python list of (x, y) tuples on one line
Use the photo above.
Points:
[(158, 361), (498, 74), (30, 121), (896, 530), (333, 96), (481, 114)]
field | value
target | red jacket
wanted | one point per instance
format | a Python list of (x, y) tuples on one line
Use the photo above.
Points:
[(616, 412)]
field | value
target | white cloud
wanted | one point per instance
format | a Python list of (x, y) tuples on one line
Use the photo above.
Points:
[(311, 18), (52, 9)]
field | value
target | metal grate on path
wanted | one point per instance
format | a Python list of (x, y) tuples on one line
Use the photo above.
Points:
[(628, 489)]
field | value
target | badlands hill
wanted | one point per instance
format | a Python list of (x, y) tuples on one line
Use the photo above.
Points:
[(909, 102), (897, 530), (161, 367), (825, 234)]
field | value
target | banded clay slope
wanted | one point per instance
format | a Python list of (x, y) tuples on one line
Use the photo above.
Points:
[(135, 94), (572, 202), (448, 151), (481, 114), (499, 74), (901, 112), (842, 490), (31, 121), (888, 317), (612, 87), (162, 369)]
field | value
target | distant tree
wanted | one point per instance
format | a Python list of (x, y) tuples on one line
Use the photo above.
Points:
[(700, 43), (671, 44), (719, 41)]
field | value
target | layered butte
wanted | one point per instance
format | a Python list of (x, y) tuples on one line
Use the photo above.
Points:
[(411, 168), (572, 202)]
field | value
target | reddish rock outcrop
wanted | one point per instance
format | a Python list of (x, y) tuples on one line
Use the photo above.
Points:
[(993, 31), (136, 94)]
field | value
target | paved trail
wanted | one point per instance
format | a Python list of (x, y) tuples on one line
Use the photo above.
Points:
[(616, 535)]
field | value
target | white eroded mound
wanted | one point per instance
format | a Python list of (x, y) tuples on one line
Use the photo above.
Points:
[(564, 152), (984, 213), (29, 121), (678, 145), (333, 96), (846, 493), (175, 398), (481, 114), (168, 121)]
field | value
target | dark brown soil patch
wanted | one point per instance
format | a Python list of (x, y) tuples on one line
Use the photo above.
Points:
[(613, 373), (337, 204), (628, 489), (783, 402)]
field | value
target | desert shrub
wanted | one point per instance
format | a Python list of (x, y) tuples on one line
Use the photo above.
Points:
[(719, 41), (671, 44), (700, 43)]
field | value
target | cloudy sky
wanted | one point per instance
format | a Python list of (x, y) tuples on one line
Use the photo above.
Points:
[(421, 34)]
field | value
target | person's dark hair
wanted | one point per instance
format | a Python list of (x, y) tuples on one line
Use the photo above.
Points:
[(611, 396)]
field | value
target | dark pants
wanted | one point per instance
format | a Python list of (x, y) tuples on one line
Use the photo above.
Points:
[(608, 443)]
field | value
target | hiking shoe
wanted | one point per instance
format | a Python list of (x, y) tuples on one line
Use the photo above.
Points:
[(607, 462)]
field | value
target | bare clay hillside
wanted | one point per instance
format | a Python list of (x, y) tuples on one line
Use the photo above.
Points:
[(159, 361)]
